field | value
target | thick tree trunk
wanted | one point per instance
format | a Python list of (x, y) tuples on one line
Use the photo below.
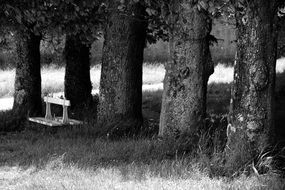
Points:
[(27, 96), (281, 38), (77, 82), (185, 83), (251, 120), (121, 75)]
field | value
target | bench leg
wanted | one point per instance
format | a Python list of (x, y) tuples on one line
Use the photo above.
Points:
[(64, 115), (48, 111)]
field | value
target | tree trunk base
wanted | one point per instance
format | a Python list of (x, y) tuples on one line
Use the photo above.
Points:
[(121, 128)]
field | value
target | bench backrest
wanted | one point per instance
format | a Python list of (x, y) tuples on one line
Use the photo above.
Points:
[(58, 101)]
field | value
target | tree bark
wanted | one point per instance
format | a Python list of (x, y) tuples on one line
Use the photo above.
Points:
[(251, 118), (122, 59), (77, 82), (281, 38), (27, 96), (185, 83)]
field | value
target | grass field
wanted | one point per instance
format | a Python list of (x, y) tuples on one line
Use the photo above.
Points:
[(153, 74), (67, 160), (53, 78), (77, 158)]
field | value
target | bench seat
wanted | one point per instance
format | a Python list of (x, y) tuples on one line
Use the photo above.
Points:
[(54, 122)]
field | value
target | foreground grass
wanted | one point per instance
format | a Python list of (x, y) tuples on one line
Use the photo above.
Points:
[(71, 177), (68, 160)]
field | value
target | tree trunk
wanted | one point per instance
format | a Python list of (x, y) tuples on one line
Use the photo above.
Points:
[(122, 58), (27, 96), (251, 119), (185, 83), (281, 38), (77, 82)]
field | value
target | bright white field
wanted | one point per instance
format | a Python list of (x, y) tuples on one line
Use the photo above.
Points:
[(53, 79), (58, 176)]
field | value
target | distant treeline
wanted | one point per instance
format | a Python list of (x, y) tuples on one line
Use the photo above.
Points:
[(154, 53), (222, 52)]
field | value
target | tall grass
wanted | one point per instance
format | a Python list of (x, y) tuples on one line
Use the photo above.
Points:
[(66, 160), (59, 176)]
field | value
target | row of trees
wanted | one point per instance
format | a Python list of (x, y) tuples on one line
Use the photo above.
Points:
[(126, 25), (30, 21)]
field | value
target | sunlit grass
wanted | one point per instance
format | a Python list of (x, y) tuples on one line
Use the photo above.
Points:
[(7, 79), (53, 78), (68, 161), (58, 176), (222, 74), (153, 75)]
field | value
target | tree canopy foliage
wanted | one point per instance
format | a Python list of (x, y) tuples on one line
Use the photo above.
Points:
[(43, 16)]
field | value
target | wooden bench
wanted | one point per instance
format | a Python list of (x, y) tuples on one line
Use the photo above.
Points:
[(55, 121)]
